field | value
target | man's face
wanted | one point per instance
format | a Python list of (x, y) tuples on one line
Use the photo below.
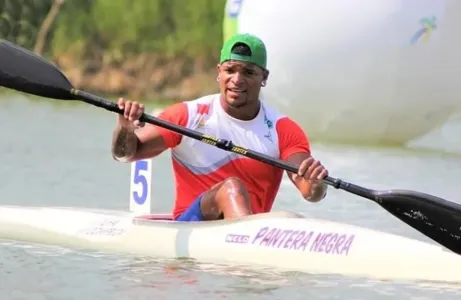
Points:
[(240, 82)]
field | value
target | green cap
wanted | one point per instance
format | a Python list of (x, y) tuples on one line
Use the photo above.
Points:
[(256, 45)]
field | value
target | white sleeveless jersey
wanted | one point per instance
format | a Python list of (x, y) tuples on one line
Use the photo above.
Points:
[(199, 166)]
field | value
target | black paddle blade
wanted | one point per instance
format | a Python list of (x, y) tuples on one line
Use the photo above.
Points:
[(435, 217), (24, 71)]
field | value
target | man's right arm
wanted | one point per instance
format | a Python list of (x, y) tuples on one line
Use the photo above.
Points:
[(124, 144), (130, 144)]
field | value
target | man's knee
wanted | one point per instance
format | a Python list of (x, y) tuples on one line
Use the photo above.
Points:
[(228, 199), (233, 183)]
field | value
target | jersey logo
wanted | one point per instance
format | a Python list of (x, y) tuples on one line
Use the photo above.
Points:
[(201, 123), (269, 125), (269, 136), (203, 109)]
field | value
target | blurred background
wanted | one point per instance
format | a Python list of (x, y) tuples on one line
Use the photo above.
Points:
[(375, 84), (148, 50), (362, 72)]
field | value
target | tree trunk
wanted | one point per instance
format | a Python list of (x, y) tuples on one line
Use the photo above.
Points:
[(46, 25)]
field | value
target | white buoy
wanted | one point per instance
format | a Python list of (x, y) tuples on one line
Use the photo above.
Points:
[(360, 71)]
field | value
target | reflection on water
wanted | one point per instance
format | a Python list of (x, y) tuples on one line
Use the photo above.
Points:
[(126, 277), (264, 281), (59, 155)]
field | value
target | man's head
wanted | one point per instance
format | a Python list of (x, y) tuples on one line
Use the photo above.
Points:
[(242, 70)]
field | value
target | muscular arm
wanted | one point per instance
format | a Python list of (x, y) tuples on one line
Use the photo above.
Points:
[(130, 145), (124, 143), (295, 148), (149, 141), (310, 193)]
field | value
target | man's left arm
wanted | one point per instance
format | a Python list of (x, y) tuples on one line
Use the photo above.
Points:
[(308, 182), (295, 149)]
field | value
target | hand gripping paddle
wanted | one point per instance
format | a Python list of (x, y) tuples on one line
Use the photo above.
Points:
[(436, 218)]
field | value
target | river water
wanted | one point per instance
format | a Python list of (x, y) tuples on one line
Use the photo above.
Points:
[(58, 154)]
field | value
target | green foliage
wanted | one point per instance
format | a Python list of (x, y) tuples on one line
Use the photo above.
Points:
[(73, 30), (20, 20), (120, 27), (197, 26), (125, 27)]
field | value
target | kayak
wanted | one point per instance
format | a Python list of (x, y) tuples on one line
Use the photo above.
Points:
[(279, 240), (283, 240)]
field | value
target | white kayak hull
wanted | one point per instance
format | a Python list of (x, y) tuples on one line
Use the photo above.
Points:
[(282, 240)]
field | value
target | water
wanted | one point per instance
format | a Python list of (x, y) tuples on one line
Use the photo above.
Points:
[(59, 155)]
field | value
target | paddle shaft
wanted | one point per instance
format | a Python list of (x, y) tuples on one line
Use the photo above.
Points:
[(221, 143), (434, 217)]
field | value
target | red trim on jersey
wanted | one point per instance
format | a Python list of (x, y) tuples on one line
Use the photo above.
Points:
[(203, 109), (262, 180), (176, 114), (292, 138)]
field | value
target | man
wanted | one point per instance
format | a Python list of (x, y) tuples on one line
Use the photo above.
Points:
[(212, 183)]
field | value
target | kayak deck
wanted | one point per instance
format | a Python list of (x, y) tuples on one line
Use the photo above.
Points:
[(280, 240)]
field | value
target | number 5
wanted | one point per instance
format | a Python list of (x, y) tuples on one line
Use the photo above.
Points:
[(140, 176)]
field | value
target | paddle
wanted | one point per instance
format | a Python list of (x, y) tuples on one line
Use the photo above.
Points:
[(436, 218)]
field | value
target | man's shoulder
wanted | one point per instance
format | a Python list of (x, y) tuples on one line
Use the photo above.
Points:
[(188, 106), (291, 136), (202, 105), (203, 100), (199, 105), (281, 120)]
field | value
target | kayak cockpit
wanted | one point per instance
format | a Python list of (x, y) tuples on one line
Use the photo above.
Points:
[(150, 219), (156, 217)]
